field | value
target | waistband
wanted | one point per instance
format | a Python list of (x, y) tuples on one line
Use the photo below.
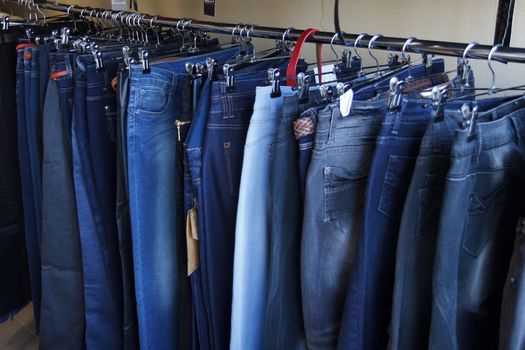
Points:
[(267, 107), (490, 135), (363, 116)]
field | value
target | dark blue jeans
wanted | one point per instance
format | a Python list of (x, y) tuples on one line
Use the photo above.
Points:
[(334, 203), (154, 105), (511, 334), (481, 205), (369, 299), (95, 184), (13, 266), (193, 198), (410, 321), (32, 235), (62, 278)]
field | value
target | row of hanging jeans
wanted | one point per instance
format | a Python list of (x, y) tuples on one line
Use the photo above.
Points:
[(15, 291), (169, 209)]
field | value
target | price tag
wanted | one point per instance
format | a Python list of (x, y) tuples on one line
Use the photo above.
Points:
[(345, 102)]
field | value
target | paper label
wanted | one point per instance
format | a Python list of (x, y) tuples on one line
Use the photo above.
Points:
[(329, 76), (345, 102), (119, 5), (192, 240)]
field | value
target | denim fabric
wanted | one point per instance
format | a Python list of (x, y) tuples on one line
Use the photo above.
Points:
[(62, 277), (154, 105), (410, 322), (511, 336), (304, 129), (131, 340), (369, 299), (32, 235), (193, 200), (222, 158), (417, 71), (95, 182), (43, 71), (334, 201), (284, 325), (13, 265), (481, 204), (253, 226)]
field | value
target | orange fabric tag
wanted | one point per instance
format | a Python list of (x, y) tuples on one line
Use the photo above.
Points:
[(57, 75), (23, 46), (27, 55)]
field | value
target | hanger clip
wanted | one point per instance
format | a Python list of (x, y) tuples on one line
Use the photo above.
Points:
[(228, 71), (65, 36), (190, 69), (274, 76), (99, 63), (210, 65), (396, 92), (347, 58), (29, 33), (303, 86), (438, 103), (127, 57), (469, 120), (144, 60), (5, 23)]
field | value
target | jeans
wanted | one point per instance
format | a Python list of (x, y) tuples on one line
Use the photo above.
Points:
[(253, 226), (284, 325), (32, 232), (154, 104), (409, 327), (369, 299), (304, 129), (95, 183), (131, 340), (222, 159), (334, 202), (193, 200), (62, 274), (481, 204), (13, 264), (511, 334)]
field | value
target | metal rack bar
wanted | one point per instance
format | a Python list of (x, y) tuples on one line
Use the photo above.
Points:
[(430, 47)]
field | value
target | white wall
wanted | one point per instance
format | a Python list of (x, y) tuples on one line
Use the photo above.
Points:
[(449, 20)]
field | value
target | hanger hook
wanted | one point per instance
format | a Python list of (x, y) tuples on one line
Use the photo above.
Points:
[(370, 46), (151, 21), (493, 88), (405, 47), (233, 32), (69, 9), (361, 36), (467, 49), (240, 33), (332, 47)]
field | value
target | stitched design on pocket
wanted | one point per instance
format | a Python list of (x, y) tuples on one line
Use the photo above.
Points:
[(485, 210), (154, 101)]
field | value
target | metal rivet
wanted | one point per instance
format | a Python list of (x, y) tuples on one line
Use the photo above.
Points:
[(512, 280), (327, 171)]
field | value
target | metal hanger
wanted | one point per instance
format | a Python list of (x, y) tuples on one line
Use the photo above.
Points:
[(407, 59), (370, 46)]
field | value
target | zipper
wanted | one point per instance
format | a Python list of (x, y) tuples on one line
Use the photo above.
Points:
[(179, 124)]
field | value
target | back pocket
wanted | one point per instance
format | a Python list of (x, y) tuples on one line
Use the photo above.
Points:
[(485, 210), (344, 191), (395, 186), (429, 210)]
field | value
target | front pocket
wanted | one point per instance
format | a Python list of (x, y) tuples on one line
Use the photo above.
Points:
[(154, 101), (485, 209), (344, 191), (395, 186)]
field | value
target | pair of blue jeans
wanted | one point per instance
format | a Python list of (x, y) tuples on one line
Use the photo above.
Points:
[(253, 225), (334, 203), (481, 205), (369, 299), (26, 150), (154, 105), (13, 266), (61, 254), (95, 183), (411, 309)]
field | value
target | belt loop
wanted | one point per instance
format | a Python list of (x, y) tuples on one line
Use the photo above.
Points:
[(333, 120), (397, 123), (515, 121)]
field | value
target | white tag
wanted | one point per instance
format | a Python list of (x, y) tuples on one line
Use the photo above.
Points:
[(118, 5), (345, 102), (330, 77)]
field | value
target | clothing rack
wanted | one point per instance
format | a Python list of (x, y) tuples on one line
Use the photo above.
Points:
[(429, 47)]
